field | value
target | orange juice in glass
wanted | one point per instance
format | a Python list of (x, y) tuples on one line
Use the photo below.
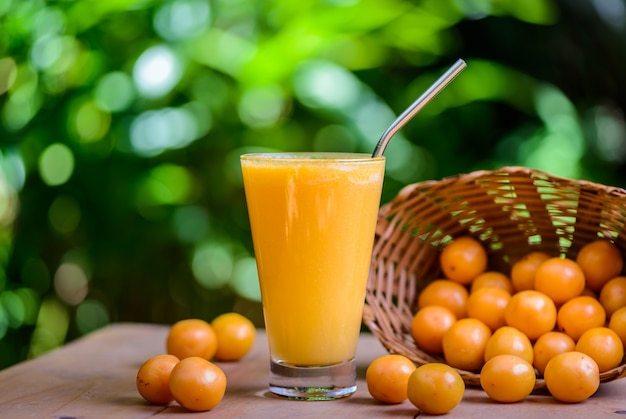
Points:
[(313, 217)]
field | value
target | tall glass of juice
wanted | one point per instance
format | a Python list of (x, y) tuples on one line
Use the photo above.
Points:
[(313, 217)]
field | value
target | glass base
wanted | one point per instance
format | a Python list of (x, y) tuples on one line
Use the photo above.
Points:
[(327, 382)]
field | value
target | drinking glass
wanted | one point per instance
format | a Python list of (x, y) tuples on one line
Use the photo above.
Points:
[(312, 217)]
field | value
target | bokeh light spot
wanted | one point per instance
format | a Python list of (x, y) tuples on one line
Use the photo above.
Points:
[(610, 131), (262, 106), (56, 164), (48, 21), (30, 302), (14, 308), (18, 111), (91, 315), (212, 265), (541, 12), (153, 132), (115, 92), (13, 168), (157, 71), (71, 50), (335, 138), (24, 100), (611, 11), (225, 51), (71, 283), (191, 223), (245, 280), (371, 118), (8, 73), (325, 85), (51, 327), (8, 201), (559, 147), (45, 51), (182, 19), (91, 123), (167, 184)]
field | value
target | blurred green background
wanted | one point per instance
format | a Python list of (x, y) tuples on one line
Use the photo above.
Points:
[(121, 124)]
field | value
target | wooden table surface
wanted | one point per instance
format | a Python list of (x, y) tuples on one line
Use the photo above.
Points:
[(94, 377)]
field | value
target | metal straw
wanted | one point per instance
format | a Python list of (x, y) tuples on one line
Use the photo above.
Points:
[(417, 106)]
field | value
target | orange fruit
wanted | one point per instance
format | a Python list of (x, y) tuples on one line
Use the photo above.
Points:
[(429, 325), (603, 345), (580, 314), (492, 279), (523, 271), (435, 388), (507, 378), (197, 384), (613, 295), (488, 304), (446, 293), (191, 337), (572, 377), (153, 379), (560, 279), (235, 336), (532, 312), (387, 378), (510, 341), (617, 323), (464, 344), (463, 259), (548, 346), (600, 261)]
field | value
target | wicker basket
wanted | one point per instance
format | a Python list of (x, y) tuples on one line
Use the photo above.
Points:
[(512, 211)]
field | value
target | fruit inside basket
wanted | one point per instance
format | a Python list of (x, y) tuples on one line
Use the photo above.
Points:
[(511, 211)]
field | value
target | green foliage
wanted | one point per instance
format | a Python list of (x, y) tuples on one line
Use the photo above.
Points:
[(122, 122)]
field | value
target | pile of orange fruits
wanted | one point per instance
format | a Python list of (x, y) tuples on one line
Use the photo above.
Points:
[(186, 373), (524, 322), (553, 317)]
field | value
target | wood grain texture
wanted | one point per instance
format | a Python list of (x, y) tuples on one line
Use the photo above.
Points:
[(94, 377)]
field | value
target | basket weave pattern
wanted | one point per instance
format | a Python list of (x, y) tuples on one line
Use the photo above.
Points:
[(512, 211)]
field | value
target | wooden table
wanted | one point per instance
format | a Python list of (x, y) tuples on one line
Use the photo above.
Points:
[(94, 377)]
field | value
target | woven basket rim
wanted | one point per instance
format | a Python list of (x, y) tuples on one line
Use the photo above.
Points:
[(404, 245), (477, 174)]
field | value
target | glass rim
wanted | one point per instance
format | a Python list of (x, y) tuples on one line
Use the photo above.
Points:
[(311, 156)]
